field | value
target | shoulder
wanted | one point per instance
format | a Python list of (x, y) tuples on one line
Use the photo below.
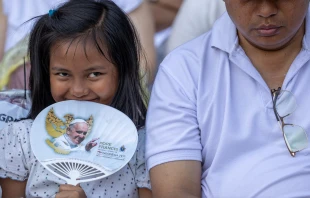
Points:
[(20, 127), (182, 67), (16, 136), (15, 153), (187, 55)]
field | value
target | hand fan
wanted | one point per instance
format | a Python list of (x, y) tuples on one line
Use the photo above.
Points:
[(81, 141)]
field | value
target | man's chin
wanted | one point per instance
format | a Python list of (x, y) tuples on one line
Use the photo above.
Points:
[(78, 142)]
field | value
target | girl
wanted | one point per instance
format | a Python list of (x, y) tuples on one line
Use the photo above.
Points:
[(84, 50)]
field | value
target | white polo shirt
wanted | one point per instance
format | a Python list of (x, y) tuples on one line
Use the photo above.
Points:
[(210, 104)]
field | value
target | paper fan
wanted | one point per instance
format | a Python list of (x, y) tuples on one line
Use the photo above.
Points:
[(81, 141)]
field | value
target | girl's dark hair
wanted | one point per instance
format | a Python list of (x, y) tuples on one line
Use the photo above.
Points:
[(103, 22)]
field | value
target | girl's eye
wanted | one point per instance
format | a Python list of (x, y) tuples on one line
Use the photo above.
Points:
[(94, 74), (62, 74)]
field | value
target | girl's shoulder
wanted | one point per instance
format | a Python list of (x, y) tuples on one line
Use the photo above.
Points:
[(17, 127)]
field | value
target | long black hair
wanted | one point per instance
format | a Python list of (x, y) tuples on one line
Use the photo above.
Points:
[(107, 25)]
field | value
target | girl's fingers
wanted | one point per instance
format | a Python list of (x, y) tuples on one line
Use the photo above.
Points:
[(70, 191), (68, 187)]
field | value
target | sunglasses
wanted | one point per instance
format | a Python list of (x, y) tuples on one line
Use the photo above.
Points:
[(284, 104)]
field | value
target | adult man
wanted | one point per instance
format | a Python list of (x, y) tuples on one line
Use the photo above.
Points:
[(212, 131), (74, 136)]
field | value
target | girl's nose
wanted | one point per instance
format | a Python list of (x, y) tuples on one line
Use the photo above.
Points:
[(79, 89)]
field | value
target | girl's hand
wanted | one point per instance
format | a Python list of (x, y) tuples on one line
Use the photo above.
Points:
[(70, 191)]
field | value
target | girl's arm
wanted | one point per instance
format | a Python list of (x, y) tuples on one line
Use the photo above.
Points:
[(12, 188), (145, 193)]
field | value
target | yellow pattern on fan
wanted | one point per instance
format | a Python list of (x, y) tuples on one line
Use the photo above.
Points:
[(56, 149), (56, 127)]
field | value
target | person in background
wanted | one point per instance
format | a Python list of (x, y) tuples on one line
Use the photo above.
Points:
[(164, 13), (2, 29), (228, 114), (193, 19), (17, 29)]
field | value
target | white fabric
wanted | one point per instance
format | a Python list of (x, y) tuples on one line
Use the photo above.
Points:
[(20, 11), (18, 162), (193, 19), (13, 106), (78, 121), (210, 104), (128, 5)]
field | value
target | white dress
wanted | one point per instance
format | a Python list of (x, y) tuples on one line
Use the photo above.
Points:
[(18, 162)]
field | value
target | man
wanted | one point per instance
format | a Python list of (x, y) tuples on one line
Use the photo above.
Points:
[(74, 136), (213, 121)]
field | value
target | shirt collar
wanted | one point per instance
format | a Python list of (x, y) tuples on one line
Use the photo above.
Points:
[(224, 34)]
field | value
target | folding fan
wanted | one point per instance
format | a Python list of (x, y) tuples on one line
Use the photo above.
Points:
[(81, 141)]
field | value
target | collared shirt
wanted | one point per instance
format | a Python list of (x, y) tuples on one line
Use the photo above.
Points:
[(210, 104)]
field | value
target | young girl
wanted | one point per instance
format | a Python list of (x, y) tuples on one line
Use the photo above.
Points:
[(84, 50)]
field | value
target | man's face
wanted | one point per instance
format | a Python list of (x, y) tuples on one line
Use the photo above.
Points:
[(268, 24), (77, 132)]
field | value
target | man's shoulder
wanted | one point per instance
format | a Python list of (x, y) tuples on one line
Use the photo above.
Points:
[(191, 51), (220, 39)]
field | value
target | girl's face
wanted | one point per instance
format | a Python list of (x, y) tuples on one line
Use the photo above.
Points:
[(79, 72)]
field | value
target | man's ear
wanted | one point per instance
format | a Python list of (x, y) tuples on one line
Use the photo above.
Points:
[(68, 131)]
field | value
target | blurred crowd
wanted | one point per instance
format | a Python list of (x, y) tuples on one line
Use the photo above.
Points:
[(162, 25)]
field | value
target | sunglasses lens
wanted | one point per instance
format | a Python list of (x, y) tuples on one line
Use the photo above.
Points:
[(286, 103), (295, 137)]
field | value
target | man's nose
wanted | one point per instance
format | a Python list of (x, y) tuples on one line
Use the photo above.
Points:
[(267, 9)]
